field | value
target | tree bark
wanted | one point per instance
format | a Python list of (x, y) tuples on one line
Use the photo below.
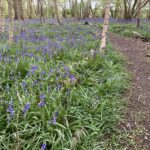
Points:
[(18, 10), (1, 16), (138, 17), (56, 10), (10, 8), (87, 9), (42, 18), (105, 27), (117, 9), (30, 9), (127, 10), (143, 4)]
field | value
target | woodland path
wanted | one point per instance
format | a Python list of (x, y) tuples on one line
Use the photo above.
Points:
[(137, 115)]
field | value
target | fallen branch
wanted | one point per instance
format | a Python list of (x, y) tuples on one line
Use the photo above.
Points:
[(137, 35)]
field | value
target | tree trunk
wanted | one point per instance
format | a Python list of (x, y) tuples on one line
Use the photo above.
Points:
[(105, 27), (38, 7), (148, 16), (42, 18), (112, 12), (1, 16), (18, 10), (127, 10), (134, 6), (57, 13), (117, 9), (64, 10), (30, 9), (143, 4), (10, 8), (138, 17), (87, 9)]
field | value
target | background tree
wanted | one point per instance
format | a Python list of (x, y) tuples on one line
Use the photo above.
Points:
[(57, 11), (131, 8), (18, 8), (10, 8), (30, 8), (1, 15), (105, 27), (139, 10)]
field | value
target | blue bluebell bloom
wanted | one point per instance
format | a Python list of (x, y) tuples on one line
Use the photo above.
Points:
[(26, 108), (43, 146), (11, 111)]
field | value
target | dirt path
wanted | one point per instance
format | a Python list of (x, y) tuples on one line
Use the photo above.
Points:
[(137, 123)]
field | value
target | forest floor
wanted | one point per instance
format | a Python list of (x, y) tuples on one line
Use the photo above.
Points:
[(137, 114)]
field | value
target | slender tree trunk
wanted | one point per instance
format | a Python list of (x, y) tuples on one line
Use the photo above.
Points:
[(92, 12), (148, 16), (87, 9), (127, 9), (56, 10), (38, 7), (117, 9), (105, 27), (143, 4), (18, 10), (64, 10), (112, 12), (134, 6), (30, 9), (81, 9), (138, 17), (42, 18), (1, 15), (10, 8)]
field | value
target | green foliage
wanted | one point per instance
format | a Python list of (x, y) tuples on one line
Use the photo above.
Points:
[(129, 29), (89, 107)]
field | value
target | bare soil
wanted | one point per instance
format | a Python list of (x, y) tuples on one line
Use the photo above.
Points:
[(137, 115)]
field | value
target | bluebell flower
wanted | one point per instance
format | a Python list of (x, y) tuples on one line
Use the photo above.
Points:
[(66, 69), (58, 87), (11, 111), (34, 68), (43, 73), (51, 70), (56, 78), (65, 75), (43, 146), (72, 78), (30, 54), (54, 118), (26, 108), (42, 103), (37, 48), (24, 84), (42, 96)]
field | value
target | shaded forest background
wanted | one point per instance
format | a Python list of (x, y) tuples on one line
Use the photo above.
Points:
[(27, 9)]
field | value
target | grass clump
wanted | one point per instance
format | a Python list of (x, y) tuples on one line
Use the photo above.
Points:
[(129, 29), (55, 94)]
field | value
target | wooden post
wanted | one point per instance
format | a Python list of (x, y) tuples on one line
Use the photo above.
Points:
[(105, 27)]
